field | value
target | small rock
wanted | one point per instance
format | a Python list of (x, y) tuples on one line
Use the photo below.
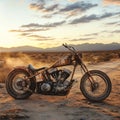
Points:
[(113, 110)]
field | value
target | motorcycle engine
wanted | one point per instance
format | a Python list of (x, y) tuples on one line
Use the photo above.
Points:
[(60, 75), (55, 81)]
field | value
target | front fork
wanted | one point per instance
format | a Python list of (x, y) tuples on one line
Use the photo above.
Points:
[(93, 84)]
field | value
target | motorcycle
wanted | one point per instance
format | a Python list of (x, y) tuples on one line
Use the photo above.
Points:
[(23, 81)]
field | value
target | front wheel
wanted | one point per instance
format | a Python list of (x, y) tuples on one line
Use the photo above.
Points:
[(101, 82)]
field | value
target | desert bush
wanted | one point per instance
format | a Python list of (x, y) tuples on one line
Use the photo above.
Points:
[(3, 74)]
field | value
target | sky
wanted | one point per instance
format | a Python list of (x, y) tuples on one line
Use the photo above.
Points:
[(50, 23)]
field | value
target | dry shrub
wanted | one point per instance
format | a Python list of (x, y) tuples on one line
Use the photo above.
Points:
[(100, 56), (3, 73)]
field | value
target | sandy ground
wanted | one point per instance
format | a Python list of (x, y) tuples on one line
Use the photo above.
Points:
[(72, 107)]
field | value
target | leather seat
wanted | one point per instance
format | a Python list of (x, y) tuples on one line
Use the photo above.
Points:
[(30, 67)]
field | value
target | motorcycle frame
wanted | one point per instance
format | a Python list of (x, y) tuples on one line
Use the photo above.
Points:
[(77, 60)]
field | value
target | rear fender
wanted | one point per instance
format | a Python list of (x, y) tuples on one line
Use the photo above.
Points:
[(19, 68)]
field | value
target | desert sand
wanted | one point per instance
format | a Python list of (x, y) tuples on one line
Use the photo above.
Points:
[(71, 107)]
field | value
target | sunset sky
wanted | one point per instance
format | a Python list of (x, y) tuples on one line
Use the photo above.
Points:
[(49, 23)]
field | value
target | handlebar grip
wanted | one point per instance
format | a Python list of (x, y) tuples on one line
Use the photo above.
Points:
[(65, 45)]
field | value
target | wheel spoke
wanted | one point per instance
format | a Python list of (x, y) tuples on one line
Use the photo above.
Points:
[(20, 85), (99, 89), (100, 86)]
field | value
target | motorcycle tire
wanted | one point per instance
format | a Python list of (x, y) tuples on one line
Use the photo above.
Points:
[(11, 87), (102, 82)]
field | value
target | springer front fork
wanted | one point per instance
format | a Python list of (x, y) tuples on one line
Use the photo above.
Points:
[(90, 78)]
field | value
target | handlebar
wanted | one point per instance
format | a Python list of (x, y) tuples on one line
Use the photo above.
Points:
[(72, 49)]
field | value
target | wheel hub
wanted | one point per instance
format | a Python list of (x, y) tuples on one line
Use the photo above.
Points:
[(20, 83), (95, 86)]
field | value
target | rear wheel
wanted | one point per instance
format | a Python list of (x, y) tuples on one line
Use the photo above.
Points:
[(18, 86), (99, 90)]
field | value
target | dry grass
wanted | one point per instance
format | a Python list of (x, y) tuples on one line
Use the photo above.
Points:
[(9, 60), (101, 56)]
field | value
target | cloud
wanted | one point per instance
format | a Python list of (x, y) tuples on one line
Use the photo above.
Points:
[(24, 34), (51, 8), (47, 16), (73, 8), (41, 6), (38, 4), (112, 31), (35, 6), (47, 25), (116, 2), (32, 36), (84, 19), (92, 34), (15, 31), (93, 17), (29, 30), (82, 39), (82, 6), (116, 31), (111, 23), (39, 38), (72, 0), (35, 25), (35, 37), (118, 24)]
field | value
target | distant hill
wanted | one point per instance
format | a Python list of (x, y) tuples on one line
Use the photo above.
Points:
[(80, 47), (21, 49), (90, 47)]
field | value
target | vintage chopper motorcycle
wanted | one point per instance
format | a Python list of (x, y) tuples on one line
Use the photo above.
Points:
[(22, 81)]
